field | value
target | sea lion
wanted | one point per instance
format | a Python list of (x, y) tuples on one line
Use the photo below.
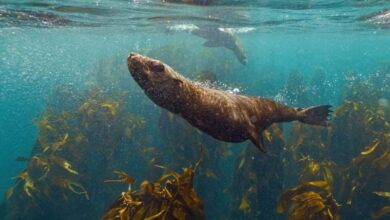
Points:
[(223, 115), (218, 38), (215, 36), (380, 18), (33, 18)]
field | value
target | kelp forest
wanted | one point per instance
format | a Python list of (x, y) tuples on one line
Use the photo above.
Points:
[(104, 151)]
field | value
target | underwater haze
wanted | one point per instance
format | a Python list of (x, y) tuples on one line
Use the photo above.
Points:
[(79, 139)]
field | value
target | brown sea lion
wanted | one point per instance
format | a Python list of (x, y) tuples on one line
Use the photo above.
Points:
[(217, 38), (224, 116)]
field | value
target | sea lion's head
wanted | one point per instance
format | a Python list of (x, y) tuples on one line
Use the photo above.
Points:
[(159, 81)]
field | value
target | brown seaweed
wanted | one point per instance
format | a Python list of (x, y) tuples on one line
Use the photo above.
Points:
[(383, 211), (257, 179), (311, 170), (73, 153), (303, 202), (172, 196)]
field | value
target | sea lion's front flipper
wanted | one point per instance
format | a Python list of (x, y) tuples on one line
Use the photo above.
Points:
[(258, 140)]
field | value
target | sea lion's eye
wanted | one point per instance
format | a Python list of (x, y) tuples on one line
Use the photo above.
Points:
[(157, 67)]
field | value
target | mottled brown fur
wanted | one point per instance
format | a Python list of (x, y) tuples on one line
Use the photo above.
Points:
[(223, 115)]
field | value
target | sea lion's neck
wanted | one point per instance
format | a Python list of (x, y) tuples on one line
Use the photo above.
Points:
[(175, 97), (187, 95)]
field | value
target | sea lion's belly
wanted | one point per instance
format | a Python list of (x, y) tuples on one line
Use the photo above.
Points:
[(219, 115)]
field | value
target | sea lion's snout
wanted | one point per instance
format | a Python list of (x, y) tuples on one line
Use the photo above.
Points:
[(131, 58), (135, 63), (137, 66)]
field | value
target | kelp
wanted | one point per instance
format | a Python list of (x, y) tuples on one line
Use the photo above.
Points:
[(356, 126), (361, 159), (82, 139), (45, 172), (363, 91), (310, 200), (382, 212), (352, 155), (172, 196), (100, 111), (257, 179), (383, 194), (48, 181), (53, 129), (311, 170), (368, 173), (74, 152), (308, 140), (179, 147), (124, 178)]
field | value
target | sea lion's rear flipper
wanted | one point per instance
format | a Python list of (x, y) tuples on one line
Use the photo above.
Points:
[(258, 140), (316, 115)]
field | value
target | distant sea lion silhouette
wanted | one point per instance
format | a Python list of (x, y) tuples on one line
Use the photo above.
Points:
[(33, 18), (224, 116), (380, 18), (217, 38)]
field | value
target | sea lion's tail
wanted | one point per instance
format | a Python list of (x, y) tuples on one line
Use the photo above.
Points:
[(315, 115)]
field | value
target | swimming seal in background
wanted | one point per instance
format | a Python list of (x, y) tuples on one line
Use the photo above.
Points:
[(380, 18), (217, 38), (225, 116), (14, 17)]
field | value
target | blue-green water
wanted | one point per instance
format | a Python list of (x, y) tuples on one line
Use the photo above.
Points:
[(46, 45)]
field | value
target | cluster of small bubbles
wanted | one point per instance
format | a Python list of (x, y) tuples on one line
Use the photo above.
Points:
[(220, 86), (350, 77), (280, 98), (234, 91), (183, 27), (237, 30)]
